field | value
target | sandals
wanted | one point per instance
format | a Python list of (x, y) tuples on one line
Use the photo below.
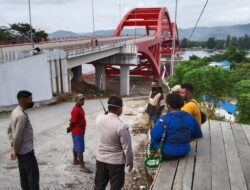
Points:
[(86, 170)]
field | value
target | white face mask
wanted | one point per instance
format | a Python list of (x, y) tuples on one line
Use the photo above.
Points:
[(114, 105)]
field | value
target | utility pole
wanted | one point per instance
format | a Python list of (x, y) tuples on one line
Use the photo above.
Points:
[(120, 14), (93, 17), (135, 24), (31, 35), (120, 9), (173, 42)]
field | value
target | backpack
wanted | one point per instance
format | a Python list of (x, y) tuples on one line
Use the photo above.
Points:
[(203, 115)]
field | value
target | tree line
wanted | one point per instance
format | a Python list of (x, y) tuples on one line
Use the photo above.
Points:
[(242, 43), (216, 83), (21, 31)]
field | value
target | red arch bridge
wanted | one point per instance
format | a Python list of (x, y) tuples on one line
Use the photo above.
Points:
[(157, 24)]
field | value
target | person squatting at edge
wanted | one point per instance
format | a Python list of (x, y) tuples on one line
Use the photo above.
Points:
[(77, 128), (20, 134), (114, 148), (182, 128)]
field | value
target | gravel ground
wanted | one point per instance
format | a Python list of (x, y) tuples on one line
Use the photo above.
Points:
[(53, 146)]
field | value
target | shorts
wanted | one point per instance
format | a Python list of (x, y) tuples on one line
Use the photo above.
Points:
[(78, 143)]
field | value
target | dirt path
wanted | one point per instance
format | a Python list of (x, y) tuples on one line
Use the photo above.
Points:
[(53, 145)]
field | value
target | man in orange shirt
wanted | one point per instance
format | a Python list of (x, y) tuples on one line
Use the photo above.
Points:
[(191, 105)]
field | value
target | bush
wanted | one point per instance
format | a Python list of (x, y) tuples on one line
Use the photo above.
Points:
[(242, 87), (184, 67), (243, 108)]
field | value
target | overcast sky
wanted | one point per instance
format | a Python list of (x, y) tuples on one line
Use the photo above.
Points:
[(76, 15)]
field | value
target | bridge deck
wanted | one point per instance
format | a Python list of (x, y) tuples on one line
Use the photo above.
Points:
[(218, 161)]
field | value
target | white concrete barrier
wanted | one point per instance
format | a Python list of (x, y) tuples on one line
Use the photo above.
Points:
[(32, 74)]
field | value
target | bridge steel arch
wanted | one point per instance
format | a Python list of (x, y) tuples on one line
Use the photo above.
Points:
[(157, 23)]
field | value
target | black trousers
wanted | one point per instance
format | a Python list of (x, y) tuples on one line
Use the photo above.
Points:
[(29, 172), (109, 172)]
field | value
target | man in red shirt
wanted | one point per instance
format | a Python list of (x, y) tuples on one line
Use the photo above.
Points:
[(77, 129)]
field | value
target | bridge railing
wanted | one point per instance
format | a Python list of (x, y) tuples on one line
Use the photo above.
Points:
[(80, 49), (56, 39), (48, 40), (111, 43)]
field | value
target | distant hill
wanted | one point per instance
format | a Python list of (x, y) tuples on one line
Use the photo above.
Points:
[(200, 34), (62, 33), (220, 32)]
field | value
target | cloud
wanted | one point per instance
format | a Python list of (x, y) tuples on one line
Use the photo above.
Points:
[(148, 3), (229, 17), (226, 13), (32, 2), (76, 15)]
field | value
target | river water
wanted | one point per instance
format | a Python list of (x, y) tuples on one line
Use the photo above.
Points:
[(186, 54)]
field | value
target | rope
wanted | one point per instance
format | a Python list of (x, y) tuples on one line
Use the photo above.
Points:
[(198, 20), (173, 41)]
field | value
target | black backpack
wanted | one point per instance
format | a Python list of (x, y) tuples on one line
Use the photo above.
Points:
[(203, 115)]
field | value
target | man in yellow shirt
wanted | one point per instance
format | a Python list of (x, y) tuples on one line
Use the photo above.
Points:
[(191, 105)]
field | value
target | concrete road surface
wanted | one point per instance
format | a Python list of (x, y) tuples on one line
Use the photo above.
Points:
[(53, 148)]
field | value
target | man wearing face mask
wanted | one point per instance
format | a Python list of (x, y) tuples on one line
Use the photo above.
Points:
[(114, 149), (21, 137), (156, 103)]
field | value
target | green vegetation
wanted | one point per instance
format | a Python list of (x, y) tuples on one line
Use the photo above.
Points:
[(242, 92), (242, 87), (217, 83), (243, 108), (21, 31), (233, 55), (242, 43)]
